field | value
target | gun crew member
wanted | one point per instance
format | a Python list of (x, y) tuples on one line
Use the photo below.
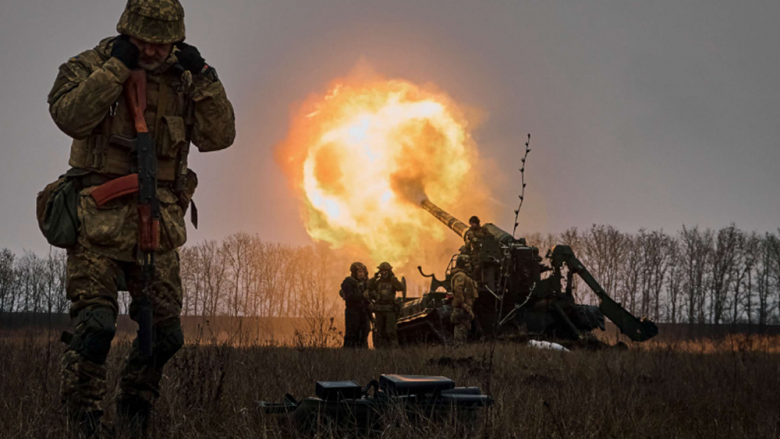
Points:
[(382, 289), (464, 293)]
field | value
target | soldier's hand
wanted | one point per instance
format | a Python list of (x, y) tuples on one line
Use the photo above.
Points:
[(189, 57), (125, 51)]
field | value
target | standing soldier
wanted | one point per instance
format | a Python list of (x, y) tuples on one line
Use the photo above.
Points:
[(464, 292), (473, 239), (185, 101), (357, 323), (381, 289)]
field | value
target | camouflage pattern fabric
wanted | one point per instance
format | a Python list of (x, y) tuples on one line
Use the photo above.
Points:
[(92, 282), (154, 21), (386, 329), (464, 292), (88, 90), (383, 291)]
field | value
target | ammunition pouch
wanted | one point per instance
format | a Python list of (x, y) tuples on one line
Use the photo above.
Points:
[(172, 137), (95, 328), (57, 211)]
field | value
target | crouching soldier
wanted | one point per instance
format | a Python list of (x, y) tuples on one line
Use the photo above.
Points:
[(464, 292), (357, 314), (382, 289), (181, 100)]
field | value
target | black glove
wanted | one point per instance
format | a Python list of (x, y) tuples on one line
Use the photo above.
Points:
[(189, 58), (125, 51)]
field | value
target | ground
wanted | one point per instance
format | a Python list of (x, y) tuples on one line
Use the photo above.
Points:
[(726, 389)]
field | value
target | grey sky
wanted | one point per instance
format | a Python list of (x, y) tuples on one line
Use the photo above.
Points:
[(643, 114)]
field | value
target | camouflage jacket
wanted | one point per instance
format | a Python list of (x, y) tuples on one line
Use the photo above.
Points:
[(383, 290), (87, 103), (473, 239), (464, 290)]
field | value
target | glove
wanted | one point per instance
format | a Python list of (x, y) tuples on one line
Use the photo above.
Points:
[(189, 58), (125, 51)]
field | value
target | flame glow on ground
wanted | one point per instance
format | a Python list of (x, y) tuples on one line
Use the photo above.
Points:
[(365, 154)]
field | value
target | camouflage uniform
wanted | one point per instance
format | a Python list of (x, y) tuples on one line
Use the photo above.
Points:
[(87, 103), (382, 292), (464, 291), (473, 239), (357, 322)]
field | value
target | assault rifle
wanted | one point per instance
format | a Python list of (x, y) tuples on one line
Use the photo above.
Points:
[(148, 204)]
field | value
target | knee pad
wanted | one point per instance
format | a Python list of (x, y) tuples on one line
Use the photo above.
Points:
[(95, 328), (170, 339)]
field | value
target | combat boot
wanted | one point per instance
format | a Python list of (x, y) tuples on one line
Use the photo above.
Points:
[(133, 416)]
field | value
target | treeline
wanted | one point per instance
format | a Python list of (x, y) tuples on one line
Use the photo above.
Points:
[(693, 276)]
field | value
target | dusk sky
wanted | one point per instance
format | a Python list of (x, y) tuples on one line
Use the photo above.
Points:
[(642, 114)]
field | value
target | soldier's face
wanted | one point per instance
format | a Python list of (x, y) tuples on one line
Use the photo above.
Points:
[(362, 275), (384, 274), (151, 55), (474, 225)]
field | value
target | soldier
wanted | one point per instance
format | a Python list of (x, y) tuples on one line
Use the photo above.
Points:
[(357, 314), (381, 289), (473, 239), (464, 293), (185, 101)]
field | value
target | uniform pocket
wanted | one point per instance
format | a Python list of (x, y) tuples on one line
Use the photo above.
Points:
[(173, 137), (113, 224), (173, 229)]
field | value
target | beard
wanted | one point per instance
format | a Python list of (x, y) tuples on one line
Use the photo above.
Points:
[(149, 65)]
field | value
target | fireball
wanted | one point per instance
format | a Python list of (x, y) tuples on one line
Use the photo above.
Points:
[(366, 153)]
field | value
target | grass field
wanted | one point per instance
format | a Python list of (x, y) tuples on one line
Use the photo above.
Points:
[(724, 389)]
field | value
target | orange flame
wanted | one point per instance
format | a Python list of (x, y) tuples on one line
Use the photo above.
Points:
[(365, 154)]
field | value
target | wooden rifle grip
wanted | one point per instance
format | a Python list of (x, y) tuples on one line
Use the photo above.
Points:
[(135, 93), (148, 229)]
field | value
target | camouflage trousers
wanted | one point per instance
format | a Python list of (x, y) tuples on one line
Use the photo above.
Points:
[(386, 329), (93, 281), (462, 321)]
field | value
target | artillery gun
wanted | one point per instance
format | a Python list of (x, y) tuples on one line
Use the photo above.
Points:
[(514, 296)]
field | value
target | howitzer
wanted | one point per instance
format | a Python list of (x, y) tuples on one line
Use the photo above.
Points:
[(514, 294), (148, 204)]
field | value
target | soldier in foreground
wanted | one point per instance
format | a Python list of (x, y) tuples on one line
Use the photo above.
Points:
[(185, 101), (382, 289), (357, 314), (464, 292)]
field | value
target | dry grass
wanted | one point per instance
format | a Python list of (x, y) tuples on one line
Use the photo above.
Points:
[(211, 390)]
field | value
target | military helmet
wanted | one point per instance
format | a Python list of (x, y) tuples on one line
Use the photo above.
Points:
[(474, 219), (154, 21), (462, 261), (357, 266), (385, 266)]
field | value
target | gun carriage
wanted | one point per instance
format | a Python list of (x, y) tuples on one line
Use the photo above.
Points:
[(519, 291)]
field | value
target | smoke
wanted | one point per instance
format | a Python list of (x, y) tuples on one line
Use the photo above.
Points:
[(409, 189), (364, 155)]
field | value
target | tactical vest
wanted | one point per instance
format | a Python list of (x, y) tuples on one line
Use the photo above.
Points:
[(385, 291), (165, 117)]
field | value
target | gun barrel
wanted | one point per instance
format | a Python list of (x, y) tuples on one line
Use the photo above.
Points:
[(450, 221)]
